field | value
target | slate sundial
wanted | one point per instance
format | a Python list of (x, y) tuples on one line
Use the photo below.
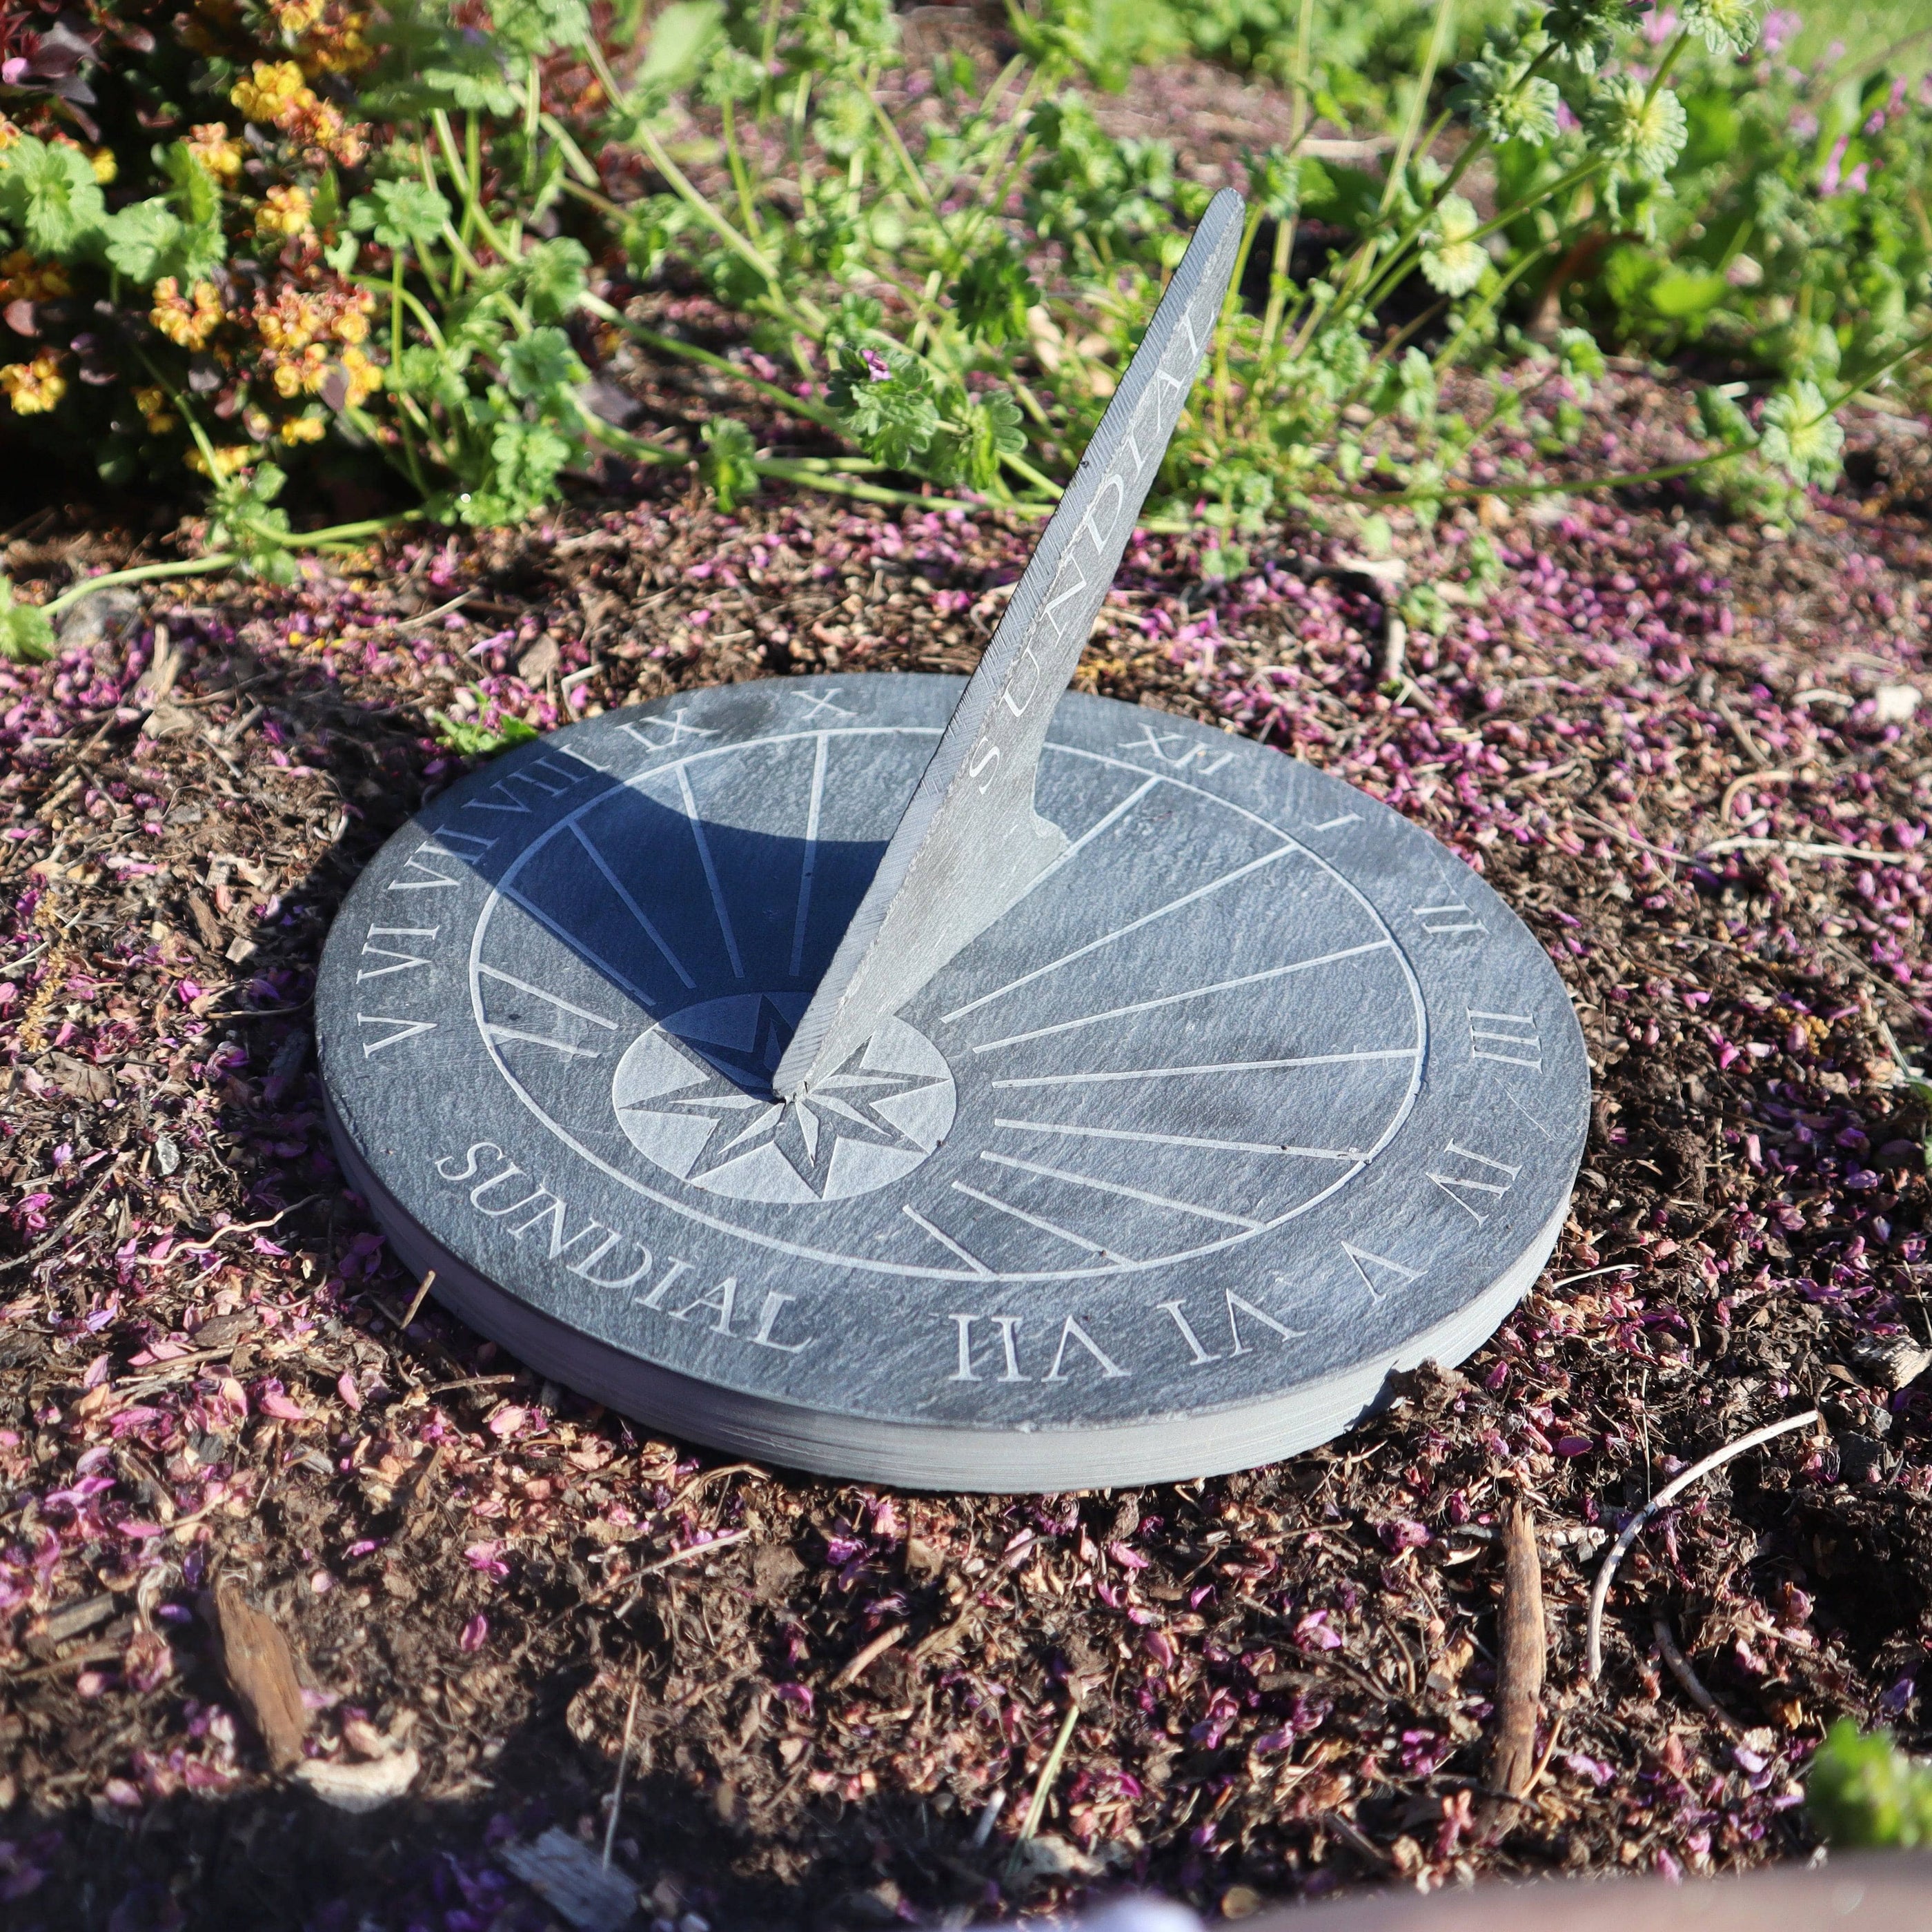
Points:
[(957, 1083)]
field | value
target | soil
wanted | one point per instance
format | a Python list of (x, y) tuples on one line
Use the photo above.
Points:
[(1691, 753)]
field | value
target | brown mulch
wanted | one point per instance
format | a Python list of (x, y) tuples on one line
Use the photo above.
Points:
[(1285, 1678)]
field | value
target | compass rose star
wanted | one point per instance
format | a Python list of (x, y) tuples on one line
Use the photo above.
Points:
[(843, 1111)]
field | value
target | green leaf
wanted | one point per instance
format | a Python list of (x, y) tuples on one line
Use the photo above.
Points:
[(197, 197), (26, 637), (977, 432), (884, 398), (1797, 435), (554, 277), (1865, 1793), (479, 741), (727, 463), (1452, 262), (48, 193), (141, 237), (400, 214), (537, 28), (541, 363), (681, 36), (1681, 295), (992, 293)]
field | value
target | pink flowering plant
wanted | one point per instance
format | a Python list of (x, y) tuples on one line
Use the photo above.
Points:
[(377, 254)]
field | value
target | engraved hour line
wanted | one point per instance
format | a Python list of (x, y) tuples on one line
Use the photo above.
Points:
[(1045, 1226), (497, 1032), (1114, 1187), (1182, 1140), (809, 864), (1525, 1112), (630, 905), (1121, 932), (1499, 1031), (1093, 831), (946, 1241), (1335, 824), (710, 872), (1193, 993), (1214, 1066), (615, 974), (1454, 917)]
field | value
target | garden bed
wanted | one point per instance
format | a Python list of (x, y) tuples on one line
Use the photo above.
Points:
[(1691, 755)]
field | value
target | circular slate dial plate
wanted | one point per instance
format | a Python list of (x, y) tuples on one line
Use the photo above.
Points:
[(1260, 1092)]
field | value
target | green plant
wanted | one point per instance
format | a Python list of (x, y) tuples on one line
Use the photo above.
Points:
[(1863, 1792), (374, 240)]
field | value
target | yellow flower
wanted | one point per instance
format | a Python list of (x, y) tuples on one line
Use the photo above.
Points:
[(9, 133), (34, 388), (217, 150), (24, 279), (304, 372), (105, 167), (351, 317), (236, 456), (269, 92), (188, 324), (292, 322), (302, 429), (295, 17), (284, 212), (153, 404), (365, 378)]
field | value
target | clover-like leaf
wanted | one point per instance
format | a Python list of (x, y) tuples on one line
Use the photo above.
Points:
[(48, 194), (1799, 435), (728, 463), (1639, 130), (1452, 261), (884, 398), (1725, 26), (541, 363), (400, 215)]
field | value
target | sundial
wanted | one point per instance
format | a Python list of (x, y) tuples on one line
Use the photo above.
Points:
[(958, 1083)]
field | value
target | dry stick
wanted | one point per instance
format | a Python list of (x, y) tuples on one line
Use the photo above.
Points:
[(422, 1289), (1600, 1590), (878, 1648), (1679, 1666), (623, 1759), (1049, 1772), (34, 1254), (1523, 1652)]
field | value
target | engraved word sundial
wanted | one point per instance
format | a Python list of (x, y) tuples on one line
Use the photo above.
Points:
[(956, 1083)]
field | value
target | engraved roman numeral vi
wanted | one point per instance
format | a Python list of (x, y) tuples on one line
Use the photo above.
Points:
[(1466, 1181)]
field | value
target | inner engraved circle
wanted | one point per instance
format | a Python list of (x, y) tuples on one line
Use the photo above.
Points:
[(693, 1097)]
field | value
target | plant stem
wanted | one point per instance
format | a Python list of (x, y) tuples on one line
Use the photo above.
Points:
[(797, 406), (141, 573), (1438, 39)]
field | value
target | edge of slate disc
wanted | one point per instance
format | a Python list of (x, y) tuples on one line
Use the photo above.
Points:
[(919, 1455)]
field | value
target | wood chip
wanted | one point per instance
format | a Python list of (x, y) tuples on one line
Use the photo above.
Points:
[(261, 1670), (568, 1875), (360, 1787), (1521, 1656)]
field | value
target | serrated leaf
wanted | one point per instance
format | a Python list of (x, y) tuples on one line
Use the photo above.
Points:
[(49, 195)]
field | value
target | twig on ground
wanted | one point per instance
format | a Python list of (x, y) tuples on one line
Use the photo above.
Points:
[(416, 1301), (1049, 1772), (623, 1759), (878, 1648), (1600, 1590), (1523, 1654), (80, 1207), (1694, 1687)]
